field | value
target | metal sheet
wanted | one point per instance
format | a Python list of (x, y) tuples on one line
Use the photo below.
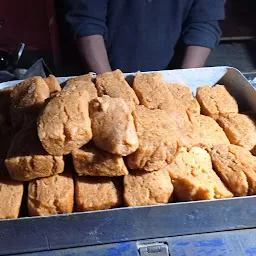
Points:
[(126, 224), (192, 77), (231, 243)]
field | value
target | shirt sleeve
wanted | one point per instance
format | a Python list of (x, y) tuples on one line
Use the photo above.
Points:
[(201, 28), (87, 17)]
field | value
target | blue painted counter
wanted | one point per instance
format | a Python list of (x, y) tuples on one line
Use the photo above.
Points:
[(231, 243)]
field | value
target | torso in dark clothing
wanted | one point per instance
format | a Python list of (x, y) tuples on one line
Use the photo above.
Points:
[(142, 34)]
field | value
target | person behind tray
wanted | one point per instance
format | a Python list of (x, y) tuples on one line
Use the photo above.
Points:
[(134, 35)]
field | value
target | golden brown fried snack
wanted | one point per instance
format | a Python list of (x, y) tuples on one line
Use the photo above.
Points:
[(97, 193), (30, 92), (11, 193), (51, 195), (114, 85), (240, 129), (64, 124), (208, 130), (237, 168), (113, 126), (216, 100), (82, 82), (53, 84), (27, 98), (151, 90), (92, 161), (153, 93), (85, 78), (158, 140), (147, 188), (184, 95), (27, 160), (193, 177)]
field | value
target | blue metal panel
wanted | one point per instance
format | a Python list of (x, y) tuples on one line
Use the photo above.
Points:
[(118, 249), (217, 244), (232, 243), (126, 224), (235, 243)]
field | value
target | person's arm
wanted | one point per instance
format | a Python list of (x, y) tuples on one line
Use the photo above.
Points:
[(195, 56), (93, 52), (201, 32), (87, 20)]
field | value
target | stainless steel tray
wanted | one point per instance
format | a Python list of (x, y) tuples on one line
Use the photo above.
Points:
[(138, 223)]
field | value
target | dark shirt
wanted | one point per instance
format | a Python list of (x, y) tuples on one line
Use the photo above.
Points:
[(142, 34)]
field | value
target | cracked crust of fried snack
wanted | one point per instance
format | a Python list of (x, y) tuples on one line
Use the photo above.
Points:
[(240, 129), (11, 193), (64, 124), (97, 193), (147, 188), (215, 100), (113, 126), (51, 195), (31, 91), (114, 85), (53, 84), (91, 161), (151, 90), (193, 177), (86, 77), (27, 99), (153, 93), (158, 140), (237, 168), (82, 82), (208, 130), (184, 95), (27, 160)]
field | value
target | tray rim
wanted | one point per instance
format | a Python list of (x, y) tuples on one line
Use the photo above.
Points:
[(12, 231), (14, 82), (126, 224)]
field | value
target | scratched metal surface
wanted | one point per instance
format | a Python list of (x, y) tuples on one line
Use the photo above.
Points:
[(231, 243), (129, 224), (117, 249), (192, 77), (126, 224)]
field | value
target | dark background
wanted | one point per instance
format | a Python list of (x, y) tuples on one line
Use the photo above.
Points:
[(40, 25)]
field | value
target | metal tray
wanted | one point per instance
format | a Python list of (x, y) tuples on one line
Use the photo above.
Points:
[(139, 223)]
